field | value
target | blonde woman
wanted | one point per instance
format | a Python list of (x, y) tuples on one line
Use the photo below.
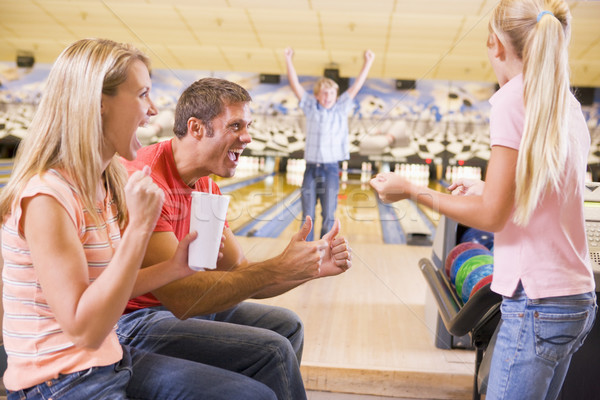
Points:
[(74, 235), (532, 198)]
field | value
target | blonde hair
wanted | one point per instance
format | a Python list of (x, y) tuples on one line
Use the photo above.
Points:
[(542, 46), (66, 130), (324, 83)]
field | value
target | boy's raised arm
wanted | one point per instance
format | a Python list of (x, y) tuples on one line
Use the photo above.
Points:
[(362, 76), (291, 73)]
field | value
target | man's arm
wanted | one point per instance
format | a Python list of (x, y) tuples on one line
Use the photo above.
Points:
[(336, 258), (362, 76), (235, 279), (203, 292), (291, 73)]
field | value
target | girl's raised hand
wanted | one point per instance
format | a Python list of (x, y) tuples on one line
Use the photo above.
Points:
[(467, 187), (391, 187)]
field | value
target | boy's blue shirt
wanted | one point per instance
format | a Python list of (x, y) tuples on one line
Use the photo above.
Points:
[(326, 129)]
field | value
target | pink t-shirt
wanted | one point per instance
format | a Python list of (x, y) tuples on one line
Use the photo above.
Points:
[(38, 350), (550, 255)]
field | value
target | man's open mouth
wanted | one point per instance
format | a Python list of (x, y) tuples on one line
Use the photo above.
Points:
[(234, 155)]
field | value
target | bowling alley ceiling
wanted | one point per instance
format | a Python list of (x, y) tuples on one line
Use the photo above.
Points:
[(412, 39)]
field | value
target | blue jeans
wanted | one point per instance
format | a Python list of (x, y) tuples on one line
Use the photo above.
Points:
[(535, 343), (321, 183), (143, 375), (251, 340)]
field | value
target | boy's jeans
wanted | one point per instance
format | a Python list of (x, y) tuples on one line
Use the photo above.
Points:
[(321, 183)]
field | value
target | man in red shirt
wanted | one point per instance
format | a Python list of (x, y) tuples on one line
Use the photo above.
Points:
[(203, 317)]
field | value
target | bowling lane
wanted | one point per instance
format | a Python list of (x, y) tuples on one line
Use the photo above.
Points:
[(258, 208), (358, 214), (238, 180), (249, 202)]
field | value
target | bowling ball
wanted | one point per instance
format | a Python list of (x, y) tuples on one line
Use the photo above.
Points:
[(456, 250), (469, 266), (462, 258), (473, 278), (478, 236), (484, 281)]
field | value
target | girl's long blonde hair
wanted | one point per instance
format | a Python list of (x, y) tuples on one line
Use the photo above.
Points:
[(66, 131), (542, 46)]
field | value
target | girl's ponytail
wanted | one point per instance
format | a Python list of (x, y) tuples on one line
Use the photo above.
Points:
[(539, 32)]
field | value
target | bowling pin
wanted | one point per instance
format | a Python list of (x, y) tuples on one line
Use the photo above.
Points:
[(344, 177)]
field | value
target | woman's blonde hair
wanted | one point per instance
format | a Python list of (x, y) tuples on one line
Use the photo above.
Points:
[(66, 131), (540, 40)]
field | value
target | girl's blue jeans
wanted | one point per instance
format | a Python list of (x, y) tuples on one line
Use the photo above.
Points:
[(535, 343)]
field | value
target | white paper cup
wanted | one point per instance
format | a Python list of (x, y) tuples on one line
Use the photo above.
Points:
[(207, 217)]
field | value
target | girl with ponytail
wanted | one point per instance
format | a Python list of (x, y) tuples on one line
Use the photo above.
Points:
[(532, 198)]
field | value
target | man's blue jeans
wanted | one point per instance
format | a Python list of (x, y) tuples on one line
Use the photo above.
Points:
[(144, 375), (321, 183), (535, 343), (253, 340)]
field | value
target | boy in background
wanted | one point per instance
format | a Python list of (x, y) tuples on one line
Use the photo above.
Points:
[(326, 138)]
